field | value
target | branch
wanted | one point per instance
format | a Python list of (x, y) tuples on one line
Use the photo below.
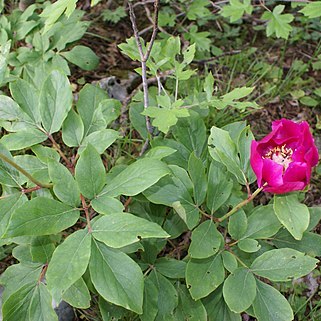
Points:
[(62, 155), (85, 208), (144, 56)]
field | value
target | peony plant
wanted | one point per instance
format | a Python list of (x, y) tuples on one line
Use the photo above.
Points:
[(282, 161)]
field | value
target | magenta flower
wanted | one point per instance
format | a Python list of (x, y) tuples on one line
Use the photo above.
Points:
[(283, 159)]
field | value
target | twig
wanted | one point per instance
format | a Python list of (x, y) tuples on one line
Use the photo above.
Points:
[(29, 190), (63, 156), (145, 147), (144, 56), (85, 208), (22, 171), (128, 99)]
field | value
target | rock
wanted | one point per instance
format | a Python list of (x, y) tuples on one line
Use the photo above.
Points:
[(65, 312)]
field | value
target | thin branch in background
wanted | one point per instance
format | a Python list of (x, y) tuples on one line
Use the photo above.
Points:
[(127, 100), (144, 57)]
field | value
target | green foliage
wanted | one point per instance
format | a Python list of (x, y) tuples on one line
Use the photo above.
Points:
[(278, 24), (312, 10), (148, 237), (114, 16), (236, 9)]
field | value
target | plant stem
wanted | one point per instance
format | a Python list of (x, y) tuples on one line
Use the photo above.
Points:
[(63, 156), (240, 205), (85, 208), (143, 58), (22, 171)]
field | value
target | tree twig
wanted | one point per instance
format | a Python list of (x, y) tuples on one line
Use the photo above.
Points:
[(63, 156), (145, 56), (85, 208)]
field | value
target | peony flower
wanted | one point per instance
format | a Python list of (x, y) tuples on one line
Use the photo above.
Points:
[(283, 159)]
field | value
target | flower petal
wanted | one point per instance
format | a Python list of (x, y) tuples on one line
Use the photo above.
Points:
[(256, 162), (272, 173)]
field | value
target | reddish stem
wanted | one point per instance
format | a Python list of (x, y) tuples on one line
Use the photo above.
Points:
[(85, 208)]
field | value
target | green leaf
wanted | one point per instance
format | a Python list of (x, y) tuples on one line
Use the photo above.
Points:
[(236, 9), (111, 311), (136, 178), (165, 118), (72, 129), (279, 24), (249, 245), (64, 185), (41, 216), (206, 241), (170, 268), (310, 243), (11, 112), (239, 290), (89, 99), (107, 205), (7, 206), (309, 101), (270, 304), (219, 186), (217, 308), (55, 101), (196, 171), (77, 295), (116, 277), (262, 223), (237, 94), (44, 154), (121, 229), (209, 86), (229, 261), (192, 133), (33, 166), (23, 139), (110, 109), (27, 97), (82, 57), (283, 264), (204, 276), (237, 224), (159, 152), (167, 299), (16, 307), (4, 53), (315, 217), (187, 308), (19, 275), (69, 261), (9, 176), (150, 303), (42, 248), (293, 215), (244, 147), (90, 172), (312, 10), (101, 140), (223, 149), (53, 12), (41, 305), (114, 16)]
